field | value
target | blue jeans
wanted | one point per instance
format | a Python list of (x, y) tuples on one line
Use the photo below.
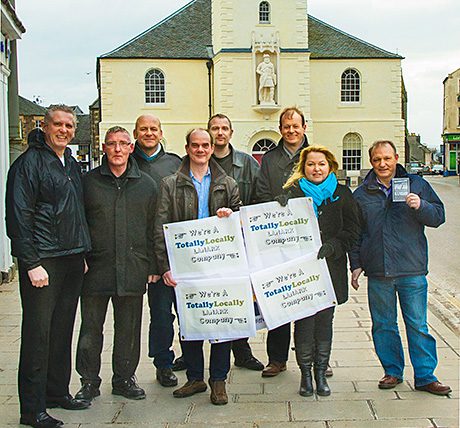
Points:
[(219, 361), (412, 292), (161, 330)]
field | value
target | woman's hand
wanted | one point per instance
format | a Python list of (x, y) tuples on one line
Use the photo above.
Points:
[(223, 212)]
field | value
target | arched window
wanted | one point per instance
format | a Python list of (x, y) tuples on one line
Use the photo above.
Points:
[(155, 87), (352, 149), (264, 12), (351, 86), (261, 147)]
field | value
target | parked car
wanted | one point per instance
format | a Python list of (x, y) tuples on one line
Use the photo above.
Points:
[(415, 168), (437, 169)]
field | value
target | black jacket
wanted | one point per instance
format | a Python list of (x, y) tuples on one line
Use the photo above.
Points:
[(44, 205), (179, 202), (275, 170), (163, 165), (339, 226), (120, 213)]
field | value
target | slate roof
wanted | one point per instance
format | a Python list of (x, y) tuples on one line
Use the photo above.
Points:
[(186, 33), (28, 108), (83, 132)]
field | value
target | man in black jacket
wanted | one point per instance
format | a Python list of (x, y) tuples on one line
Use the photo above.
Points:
[(120, 208), (243, 168), (154, 161), (277, 165), (46, 223)]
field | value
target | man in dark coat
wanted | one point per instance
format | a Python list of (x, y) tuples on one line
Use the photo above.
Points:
[(120, 209), (393, 253), (199, 189), (154, 161), (243, 168), (46, 223), (277, 165)]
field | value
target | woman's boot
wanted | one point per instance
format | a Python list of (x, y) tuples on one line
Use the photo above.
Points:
[(323, 351), (304, 352), (306, 382)]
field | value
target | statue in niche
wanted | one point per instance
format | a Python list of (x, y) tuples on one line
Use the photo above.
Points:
[(267, 81)]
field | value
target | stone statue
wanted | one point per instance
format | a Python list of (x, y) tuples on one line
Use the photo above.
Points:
[(267, 81)]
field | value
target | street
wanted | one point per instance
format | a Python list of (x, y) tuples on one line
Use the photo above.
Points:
[(444, 254)]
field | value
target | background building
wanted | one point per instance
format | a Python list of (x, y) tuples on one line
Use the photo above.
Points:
[(451, 122), (11, 30), (249, 60), (31, 116)]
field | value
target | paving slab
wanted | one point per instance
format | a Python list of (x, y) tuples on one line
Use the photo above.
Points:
[(416, 408), (339, 410)]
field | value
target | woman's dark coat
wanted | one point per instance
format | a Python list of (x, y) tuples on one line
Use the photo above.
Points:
[(339, 226)]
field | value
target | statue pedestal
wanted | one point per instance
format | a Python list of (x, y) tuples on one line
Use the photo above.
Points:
[(266, 109)]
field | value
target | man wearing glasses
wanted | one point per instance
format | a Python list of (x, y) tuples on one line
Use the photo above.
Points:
[(120, 208)]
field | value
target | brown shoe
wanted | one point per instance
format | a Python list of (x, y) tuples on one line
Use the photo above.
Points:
[(273, 369), (436, 388), (190, 388), (218, 393), (388, 382)]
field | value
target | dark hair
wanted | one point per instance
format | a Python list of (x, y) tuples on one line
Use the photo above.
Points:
[(289, 112), (114, 130), (219, 116), (59, 107), (379, 143), (189, 133)]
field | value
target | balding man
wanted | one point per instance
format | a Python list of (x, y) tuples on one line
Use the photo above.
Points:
[(154, 161)]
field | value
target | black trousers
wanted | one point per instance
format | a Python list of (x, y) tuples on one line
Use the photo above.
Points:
[(127, 316), (278, 341), (48, 316), (241, 349)]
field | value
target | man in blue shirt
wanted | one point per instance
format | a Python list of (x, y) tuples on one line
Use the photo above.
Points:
[(199, 189)]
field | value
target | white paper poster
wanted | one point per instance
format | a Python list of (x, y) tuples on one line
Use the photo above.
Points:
[(277, 234), (220, 308), (204, 248), (293, 290)]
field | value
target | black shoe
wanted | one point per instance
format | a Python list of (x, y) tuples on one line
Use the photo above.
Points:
[(40, 420), (179, 364), (129, 389), (166, 377), (88, 392), (67, 402), (250, 363)]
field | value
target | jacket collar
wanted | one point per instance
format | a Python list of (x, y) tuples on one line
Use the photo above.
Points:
[(36, 139), (132, 170), (217, 173), (304, 144), (140, 154), (370, 181)]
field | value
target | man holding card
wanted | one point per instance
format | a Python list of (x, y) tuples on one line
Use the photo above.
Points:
[(392, 252)]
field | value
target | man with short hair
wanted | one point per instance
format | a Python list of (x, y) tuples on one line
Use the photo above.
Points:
[(46, 223), (154, 161), (277, 165), (120, 203), (243, 168), (393, 254), (199, 189)]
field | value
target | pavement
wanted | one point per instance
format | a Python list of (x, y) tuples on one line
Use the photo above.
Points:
[(256, 402)]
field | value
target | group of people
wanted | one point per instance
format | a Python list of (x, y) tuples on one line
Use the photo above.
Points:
[(99, 238)]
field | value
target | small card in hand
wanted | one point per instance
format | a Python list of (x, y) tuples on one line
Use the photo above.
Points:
[(401, 188)]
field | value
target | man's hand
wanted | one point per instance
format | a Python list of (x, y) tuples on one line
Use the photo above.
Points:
[(354, 278), (413, 201), (153, 278), (326, 250), (223, 212), (38, 277), (86, 268), (168, 279)]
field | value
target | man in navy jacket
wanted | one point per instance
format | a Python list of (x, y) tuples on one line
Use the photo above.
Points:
[(393, 254)]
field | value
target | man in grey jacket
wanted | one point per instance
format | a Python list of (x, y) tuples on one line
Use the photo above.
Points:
[(243, 168)]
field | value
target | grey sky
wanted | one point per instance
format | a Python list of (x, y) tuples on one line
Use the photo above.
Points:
[(57, 55)]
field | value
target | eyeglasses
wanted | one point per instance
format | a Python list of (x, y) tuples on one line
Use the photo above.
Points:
[(122, 144)]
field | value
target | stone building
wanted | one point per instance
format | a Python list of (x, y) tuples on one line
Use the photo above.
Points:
[(249, 60), (11, 29)]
